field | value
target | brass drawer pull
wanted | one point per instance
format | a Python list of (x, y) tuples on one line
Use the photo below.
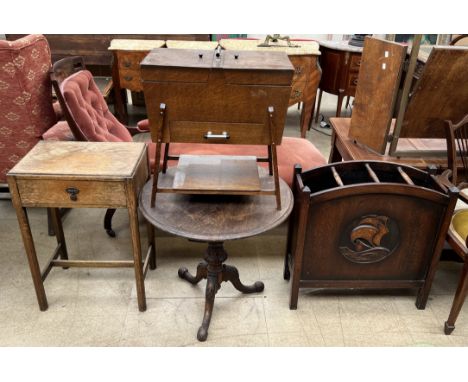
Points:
[(127, 64), (297, 94), (298, 70), (210, 135), (128, 78), (355, 81), (73, 192), (358, 63)]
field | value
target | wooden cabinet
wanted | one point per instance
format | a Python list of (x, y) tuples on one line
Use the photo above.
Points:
[(340, 64), (304, 58)]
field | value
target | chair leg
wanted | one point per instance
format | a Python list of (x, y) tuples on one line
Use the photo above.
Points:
[(50, 226), (108, 222), (458, 300)]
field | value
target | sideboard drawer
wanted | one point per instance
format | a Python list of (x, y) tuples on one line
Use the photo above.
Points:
[(297, 92), (301, 67), (352, 80), (355, 63), (130, 60), (219, 132), (71, 193), (130, 79)]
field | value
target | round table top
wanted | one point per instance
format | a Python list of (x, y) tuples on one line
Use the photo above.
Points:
[(215, 217)]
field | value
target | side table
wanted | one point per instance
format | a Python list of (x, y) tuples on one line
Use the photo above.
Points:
[(80, 175), (214, 219), (340, 63)]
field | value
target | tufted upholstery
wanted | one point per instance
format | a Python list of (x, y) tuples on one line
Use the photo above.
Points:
[(89, 110), (26, 110)]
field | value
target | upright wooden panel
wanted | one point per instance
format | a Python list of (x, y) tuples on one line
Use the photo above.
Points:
[(440, 94), (379, 78)]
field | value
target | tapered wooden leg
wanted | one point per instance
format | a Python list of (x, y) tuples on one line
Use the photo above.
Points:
[(318, 106), (136, 245), (347, 101), (270, 161), (108, 221), (458, 300), (276, 176), (152, 245), (28, 242), (339, 104), (56, 221)]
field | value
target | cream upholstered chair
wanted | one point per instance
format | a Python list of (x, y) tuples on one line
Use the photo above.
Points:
[(457, 235)]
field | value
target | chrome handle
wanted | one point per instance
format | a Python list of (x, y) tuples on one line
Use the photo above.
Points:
[(128, 78), (73, 193), (210, 135)]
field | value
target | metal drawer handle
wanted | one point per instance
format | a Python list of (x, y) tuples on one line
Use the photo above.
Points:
[(358, 63), (73, 192), (210, 135), (297, 93), (128, 78), (298, 70), (127, 64), (355, 82)]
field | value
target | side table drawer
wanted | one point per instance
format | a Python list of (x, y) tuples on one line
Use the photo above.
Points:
[(71, 193)]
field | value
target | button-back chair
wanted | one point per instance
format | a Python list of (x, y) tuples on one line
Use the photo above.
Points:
[(86, 111), (457, 236)]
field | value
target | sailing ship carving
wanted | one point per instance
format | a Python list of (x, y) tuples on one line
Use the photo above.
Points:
[(366, 238)]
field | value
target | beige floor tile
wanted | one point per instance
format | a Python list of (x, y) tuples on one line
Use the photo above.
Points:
[(288, 339)]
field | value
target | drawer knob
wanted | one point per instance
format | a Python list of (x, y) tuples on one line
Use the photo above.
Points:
[(297, 94), (126, 64), (210, 135), (298, 70), (73, 193), (355, 82), (128, 78)]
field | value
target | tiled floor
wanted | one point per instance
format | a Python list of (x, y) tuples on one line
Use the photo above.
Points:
[(97, 307)]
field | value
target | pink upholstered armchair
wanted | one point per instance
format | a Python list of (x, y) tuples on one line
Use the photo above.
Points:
[(26, 110)]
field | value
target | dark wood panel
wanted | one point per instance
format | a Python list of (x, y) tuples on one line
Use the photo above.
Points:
[(440, 94), (377, 86)]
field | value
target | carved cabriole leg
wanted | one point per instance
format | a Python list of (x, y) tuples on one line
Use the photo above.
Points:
[(28, 245), (231, 274), (56, 221), (458, 300), (202, 273), (132, 205), (152, 245), (108, 222), (212, 287)]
